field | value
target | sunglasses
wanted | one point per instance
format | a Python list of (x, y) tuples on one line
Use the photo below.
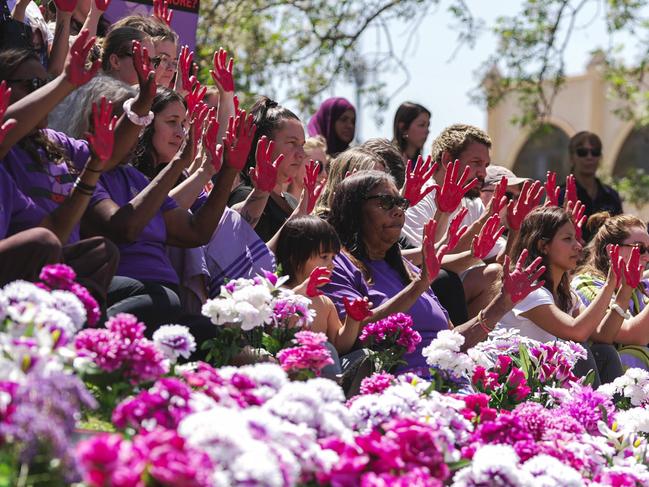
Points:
[(30, 84), (644, 249), (583, 152), (387, 201)]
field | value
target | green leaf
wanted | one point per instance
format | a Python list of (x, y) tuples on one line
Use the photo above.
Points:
[(526, 363)]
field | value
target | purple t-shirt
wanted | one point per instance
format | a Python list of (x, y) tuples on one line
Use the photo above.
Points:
[(146, 258), (17, 211), (46, 183), (428, 315)]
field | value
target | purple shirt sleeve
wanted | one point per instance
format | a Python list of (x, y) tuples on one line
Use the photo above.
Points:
[(78, 150), (18, 212), (346, 282)]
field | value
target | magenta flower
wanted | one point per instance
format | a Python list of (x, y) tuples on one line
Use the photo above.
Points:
[(376, 383), (58, 276), (310, 356), (107, 459), (239, 390)]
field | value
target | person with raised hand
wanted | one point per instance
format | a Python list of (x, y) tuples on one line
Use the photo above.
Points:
[(615, 238), (162, 12), (368, 214), (267, 210), (312, 186), (553, 311), (417, 177)]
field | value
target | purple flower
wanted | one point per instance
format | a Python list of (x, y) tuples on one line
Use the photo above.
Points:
[(175, 341), (238, 390), (126, 327), (93, 313), (376, 383), (107, 459), (310, 355), (396, 329), (58, 276), (588, 407)]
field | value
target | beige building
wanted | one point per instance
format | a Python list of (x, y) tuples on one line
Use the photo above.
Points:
[(581, 104)]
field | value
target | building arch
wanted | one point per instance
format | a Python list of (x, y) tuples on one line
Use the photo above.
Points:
[(633, 152), (545, 149)]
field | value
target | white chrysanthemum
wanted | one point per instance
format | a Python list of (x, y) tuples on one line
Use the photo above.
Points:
[(257, 296), (495, 466), (456, 364), (68, 303), (175, 341), (23, 291), (251, 317), (550, 472), (633, 421), (634, 385), (220, 311), (50, 318)]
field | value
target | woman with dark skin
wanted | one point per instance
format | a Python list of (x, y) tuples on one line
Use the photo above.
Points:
[(335, 120)]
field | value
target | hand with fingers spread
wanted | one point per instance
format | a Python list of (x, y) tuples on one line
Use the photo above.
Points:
[(184, 67), (552, 191), (528, 200), (499, 199), (456, 230), (450, 194), (65, 5), (102, 138), (432, 259), (416, 178), (577, 210), (519, 282), (264, 174), (318, 277), (145, 71), (238, 140), (75, 65), (161, 11), (195, 96), (571, 191), (222, 72), (359, 309), (617, 263), (489, 234), (214, 150), (633, 269), (198, 121), (5, 96), (313, 188)]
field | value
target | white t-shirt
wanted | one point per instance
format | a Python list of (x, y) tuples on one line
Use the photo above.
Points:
[(417, 216), (527, 327)]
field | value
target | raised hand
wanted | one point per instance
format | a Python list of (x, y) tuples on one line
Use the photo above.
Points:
[(264, 174), (5, 96), (75, 65), (238, 139), (318, 277), (102, 138), (195, 96), (456, 230), (519, 282), (486, 239), (577, 210), (200, 115), (311, 185), (161, 11), (359, 309), (633, 269), (416, 177), (499, 199), (449, 196), (65, 5), (144, 70), (617, 263), (222, 72), (528, 200), (552, 191), (184, 67), (214, 150), (571, 191), (432, 258), (102, 4)]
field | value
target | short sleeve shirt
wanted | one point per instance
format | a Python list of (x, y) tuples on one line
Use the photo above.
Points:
[(526, 327)]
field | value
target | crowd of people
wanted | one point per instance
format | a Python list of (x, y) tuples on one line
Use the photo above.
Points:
[(157, 190)]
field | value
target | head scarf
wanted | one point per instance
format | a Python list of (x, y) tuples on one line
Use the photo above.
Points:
[(322, 123)]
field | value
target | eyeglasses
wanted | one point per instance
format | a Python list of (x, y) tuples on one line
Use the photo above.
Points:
[(166, 61), (387, 201), (583, 152), (644, 249), (30, 84)]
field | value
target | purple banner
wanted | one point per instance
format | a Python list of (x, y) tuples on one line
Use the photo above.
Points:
[(183, 22)]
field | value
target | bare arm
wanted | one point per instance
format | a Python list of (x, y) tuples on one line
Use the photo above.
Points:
[(60, 43), (18, 13), (253, 206), (185, 193)]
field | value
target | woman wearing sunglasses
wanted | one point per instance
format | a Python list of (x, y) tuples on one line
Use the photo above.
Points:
[(368, 214), (585, 156), (628, 232)]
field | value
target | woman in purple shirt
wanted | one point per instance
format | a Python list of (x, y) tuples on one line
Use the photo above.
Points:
[(368, 213)]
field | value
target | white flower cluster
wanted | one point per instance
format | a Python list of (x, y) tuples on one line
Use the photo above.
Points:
[(443, 353), (634, 385), (270, 378), (174, 341)]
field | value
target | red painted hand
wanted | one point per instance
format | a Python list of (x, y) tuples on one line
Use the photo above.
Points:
[(238, 139), (214, 150), (313, 189), (5, 96), (75, 65), (65, 5), (319, 277), (456, 230), (145, 72), (519, 282), (195, 96), (571, 191), (161, 11), (577, 210), (359, 309), (486, 239), (102, 4), (200, 115), (185, 68), (528, 200), (633, 269), (416, 179), (449, 196), (499, 199), (552, 191), (103, 137), (264, 174), (222, 72), (617, 263), (432, 259)]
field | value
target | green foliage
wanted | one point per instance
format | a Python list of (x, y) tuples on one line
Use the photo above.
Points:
[(633, 187)]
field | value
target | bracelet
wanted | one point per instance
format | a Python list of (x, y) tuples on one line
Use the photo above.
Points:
[(86, 187), (134, 117), (99, 171), (618, 309), (482, 323), (82, 191)]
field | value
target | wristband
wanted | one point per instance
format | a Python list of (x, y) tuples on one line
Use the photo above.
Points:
[(618, 309), (482, 323), (134, 117), (81, 185), (99, 171)]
